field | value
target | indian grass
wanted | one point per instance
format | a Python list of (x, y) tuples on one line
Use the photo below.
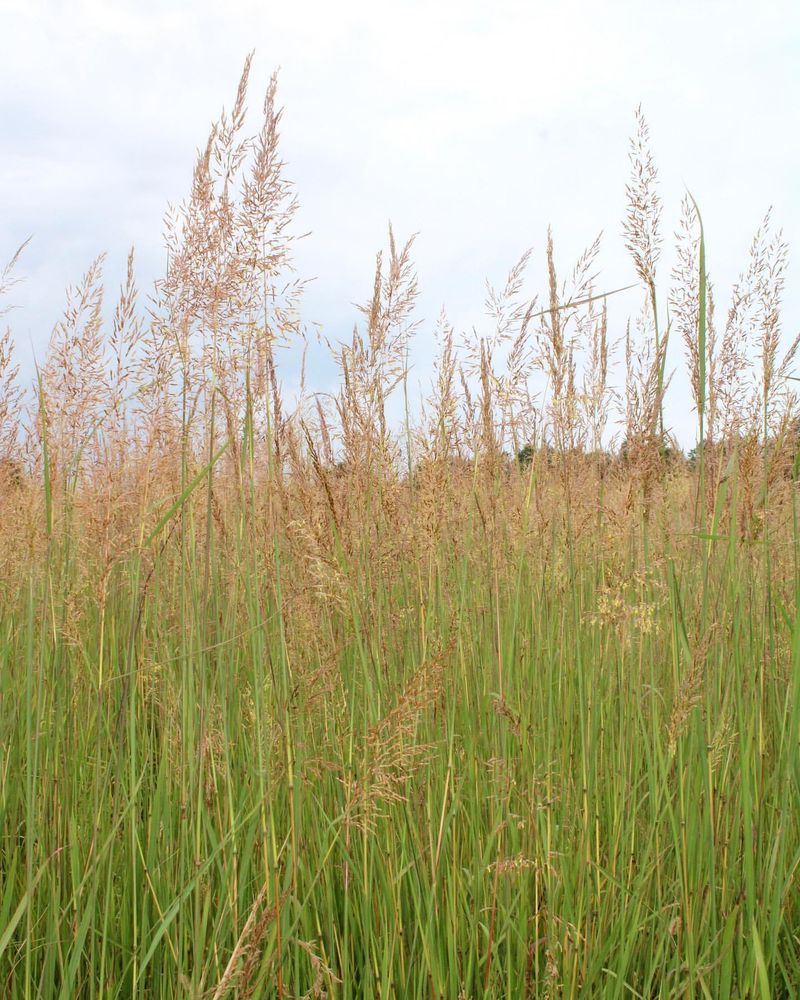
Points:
[(296, 705)]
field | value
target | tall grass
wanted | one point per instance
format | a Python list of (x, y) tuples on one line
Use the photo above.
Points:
[(295, 704)]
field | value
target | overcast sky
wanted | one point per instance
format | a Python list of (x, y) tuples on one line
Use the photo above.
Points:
[(474, 124)]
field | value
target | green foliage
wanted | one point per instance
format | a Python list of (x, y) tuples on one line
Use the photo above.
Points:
[(584, 789)]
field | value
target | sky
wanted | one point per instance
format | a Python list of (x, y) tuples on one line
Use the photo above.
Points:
[(474, 125)]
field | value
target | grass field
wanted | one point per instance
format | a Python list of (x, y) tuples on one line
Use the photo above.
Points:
[(298, 702)]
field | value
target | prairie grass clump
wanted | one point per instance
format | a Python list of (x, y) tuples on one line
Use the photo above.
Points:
[(297, 702)]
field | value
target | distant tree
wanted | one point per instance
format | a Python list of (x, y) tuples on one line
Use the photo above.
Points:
[(525, 455)]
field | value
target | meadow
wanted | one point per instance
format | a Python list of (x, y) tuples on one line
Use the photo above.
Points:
[(298, 699)]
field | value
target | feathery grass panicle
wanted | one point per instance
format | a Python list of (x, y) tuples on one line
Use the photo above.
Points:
[(299, 699), (11, 396), (641, 224)]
